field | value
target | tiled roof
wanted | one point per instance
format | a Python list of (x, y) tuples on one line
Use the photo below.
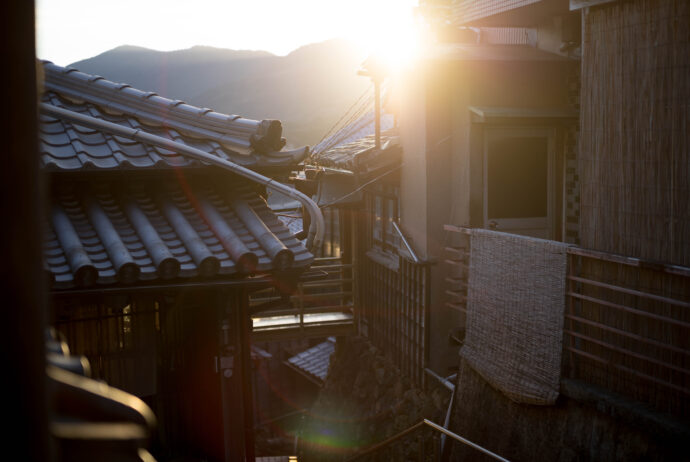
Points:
[(105, 233), (171, 218), (314, 361), (69, 147)]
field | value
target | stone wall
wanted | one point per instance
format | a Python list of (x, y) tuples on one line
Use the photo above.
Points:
[(599, 427), (365, 400)]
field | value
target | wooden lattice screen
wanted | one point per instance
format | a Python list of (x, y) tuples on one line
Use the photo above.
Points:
[(394, 308), (119, 339)]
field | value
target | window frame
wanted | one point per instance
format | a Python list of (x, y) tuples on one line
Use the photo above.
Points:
[(380, 232)]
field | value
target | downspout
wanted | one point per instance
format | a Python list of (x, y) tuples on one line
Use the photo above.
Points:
[(317, 227)]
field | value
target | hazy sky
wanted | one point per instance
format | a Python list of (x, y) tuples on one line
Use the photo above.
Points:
[(70, 30)]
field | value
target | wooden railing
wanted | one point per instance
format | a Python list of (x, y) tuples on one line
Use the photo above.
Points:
[(318, 308), (626, 327), (457, 260)]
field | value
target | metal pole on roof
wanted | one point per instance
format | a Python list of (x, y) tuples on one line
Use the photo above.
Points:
[(317, 227), (377, 103), (374, 70)]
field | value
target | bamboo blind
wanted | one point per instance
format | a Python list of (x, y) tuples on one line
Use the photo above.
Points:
[(634, 157)]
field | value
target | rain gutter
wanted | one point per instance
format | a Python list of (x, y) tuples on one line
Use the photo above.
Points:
[(317, 227)]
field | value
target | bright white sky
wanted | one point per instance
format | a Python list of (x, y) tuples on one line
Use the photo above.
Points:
[(71, 30)]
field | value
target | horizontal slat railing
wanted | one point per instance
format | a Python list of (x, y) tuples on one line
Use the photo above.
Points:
[(627, 323), (314, 308), (457, 260), (627, 328)]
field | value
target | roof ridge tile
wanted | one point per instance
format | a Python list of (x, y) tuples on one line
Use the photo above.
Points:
[(101, 91)]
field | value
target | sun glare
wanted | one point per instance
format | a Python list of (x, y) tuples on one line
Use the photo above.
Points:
[(394, 38), (383, 27)]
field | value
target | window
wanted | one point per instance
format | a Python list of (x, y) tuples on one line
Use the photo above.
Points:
[(519, 180), (383, 208)]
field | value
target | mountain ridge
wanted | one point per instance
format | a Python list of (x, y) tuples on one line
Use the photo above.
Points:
[(307, 89)]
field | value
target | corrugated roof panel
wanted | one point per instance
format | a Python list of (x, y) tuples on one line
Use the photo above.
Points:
[(466, 11)]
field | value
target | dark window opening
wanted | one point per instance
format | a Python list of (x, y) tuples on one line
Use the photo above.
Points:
[(517, 170)]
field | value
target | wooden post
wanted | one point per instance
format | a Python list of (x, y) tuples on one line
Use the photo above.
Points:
[(234, 365), (246, 370), (23, 349)]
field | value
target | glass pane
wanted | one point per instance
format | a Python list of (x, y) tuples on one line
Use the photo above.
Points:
[(517, 177), (378, 212), (328, 232), (335, 248), (389, 215), (391, 235)]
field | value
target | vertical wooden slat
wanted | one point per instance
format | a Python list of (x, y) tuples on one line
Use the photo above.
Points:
[(393, 306)]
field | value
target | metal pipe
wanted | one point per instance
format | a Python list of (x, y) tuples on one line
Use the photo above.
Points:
[(446, 422), (459, 438), (407, 245), (317, 228), (377, 103), (624, 290), (443, 381), (416, 426)]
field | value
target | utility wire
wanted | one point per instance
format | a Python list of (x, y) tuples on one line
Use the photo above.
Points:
[(349, 127), (353, 125), (338, 135), (332, 129)]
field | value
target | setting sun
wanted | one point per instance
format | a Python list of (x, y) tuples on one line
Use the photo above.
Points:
[(393, 36)]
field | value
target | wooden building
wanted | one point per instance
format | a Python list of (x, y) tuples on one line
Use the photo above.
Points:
[(359, 184), (152, 255), (620, 168), (555, 119)]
